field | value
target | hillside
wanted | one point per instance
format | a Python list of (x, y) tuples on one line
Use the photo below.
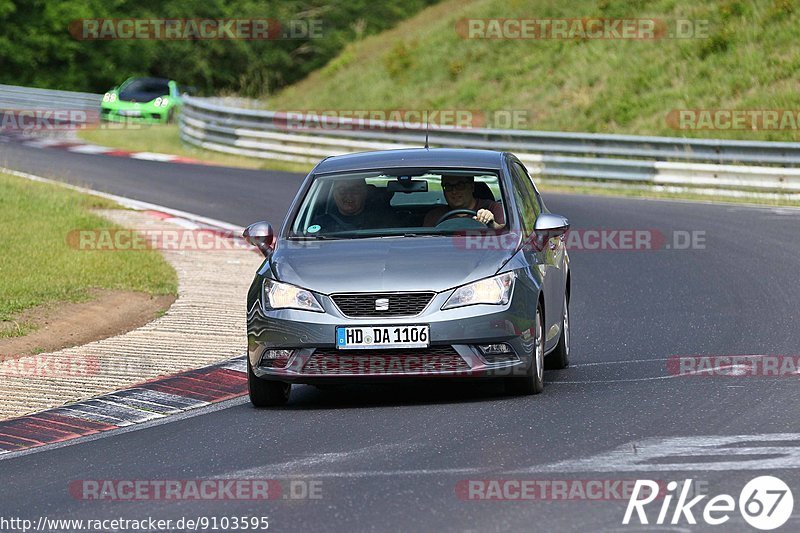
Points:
[(748, 59), (60, 45)]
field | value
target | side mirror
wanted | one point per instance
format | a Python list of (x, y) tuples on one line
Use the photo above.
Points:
[(550, 225), (261, 236), (546, 227)]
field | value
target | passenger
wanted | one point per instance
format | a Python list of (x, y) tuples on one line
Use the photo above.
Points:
[(459, 191), (350, 210)]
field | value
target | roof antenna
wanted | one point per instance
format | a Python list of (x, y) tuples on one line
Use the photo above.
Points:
[(427, 127)]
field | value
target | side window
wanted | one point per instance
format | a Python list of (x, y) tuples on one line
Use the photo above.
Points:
[(530, 188), (525, 196), (536, 190), (519, 201)]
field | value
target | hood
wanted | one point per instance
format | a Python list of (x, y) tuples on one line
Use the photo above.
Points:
[(389, 264)]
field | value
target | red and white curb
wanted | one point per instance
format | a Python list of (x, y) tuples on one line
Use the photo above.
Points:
[(153, 399), (80, 147), (148, 401)]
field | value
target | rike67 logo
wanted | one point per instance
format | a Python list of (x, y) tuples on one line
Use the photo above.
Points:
[(765, 503)]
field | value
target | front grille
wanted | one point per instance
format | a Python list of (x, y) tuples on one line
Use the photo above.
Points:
[(376, 362), (400, 303)]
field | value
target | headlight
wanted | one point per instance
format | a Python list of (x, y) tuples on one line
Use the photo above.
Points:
[(107, 97), (279, 295), (161, 102), (495, 290)]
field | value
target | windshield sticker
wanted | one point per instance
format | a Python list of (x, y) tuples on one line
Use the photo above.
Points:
[(313, 229)]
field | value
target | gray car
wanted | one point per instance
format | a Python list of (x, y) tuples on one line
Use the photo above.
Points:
[(401, 264)]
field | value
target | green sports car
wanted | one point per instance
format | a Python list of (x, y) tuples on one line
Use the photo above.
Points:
[(148, 100)]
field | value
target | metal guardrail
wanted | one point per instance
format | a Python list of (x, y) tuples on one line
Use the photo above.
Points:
[(207, 123), (39, 110), (235, 126), (14, 97)]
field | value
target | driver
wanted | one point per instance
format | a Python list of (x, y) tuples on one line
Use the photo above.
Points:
[(350, 212), (459, 192)]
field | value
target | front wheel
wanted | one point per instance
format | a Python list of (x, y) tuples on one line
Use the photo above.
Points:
[(533, 381), (264, 393)]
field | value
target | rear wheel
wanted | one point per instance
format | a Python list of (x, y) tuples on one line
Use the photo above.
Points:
[(264, 393), (559, 357), (533, 381)]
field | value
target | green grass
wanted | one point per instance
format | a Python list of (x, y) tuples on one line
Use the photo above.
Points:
[(749, 60), (38, 267), (165, 139)]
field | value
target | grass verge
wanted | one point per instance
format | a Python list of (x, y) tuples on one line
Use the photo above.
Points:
[(38, 267)]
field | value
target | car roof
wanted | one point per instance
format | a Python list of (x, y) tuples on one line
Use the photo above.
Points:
[(413, 157)]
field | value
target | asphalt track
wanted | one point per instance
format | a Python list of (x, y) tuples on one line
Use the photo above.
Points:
[(391, 458)]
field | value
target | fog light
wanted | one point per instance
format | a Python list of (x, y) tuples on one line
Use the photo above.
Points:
[(276, 358), (495, 349)]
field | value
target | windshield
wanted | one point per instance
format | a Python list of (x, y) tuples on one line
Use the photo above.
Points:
[(394, 203), (143, 89)]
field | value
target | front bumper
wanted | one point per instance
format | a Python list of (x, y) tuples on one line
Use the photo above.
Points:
[(455, 335), (144, 114)]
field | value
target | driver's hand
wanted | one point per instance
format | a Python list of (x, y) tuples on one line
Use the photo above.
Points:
[(484, 216)]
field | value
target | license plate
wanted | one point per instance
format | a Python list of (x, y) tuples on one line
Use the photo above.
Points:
[(355, 338), (130, 113)]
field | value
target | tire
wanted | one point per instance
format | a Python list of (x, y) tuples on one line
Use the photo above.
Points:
[(533, 381), (264, 393), (171, 116), (559, 358)]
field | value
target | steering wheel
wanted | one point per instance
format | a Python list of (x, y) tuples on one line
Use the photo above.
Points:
[(342, 224), (455, 212)]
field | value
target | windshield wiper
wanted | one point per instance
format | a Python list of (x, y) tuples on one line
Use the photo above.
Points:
[(350, 236), (395, 235)]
